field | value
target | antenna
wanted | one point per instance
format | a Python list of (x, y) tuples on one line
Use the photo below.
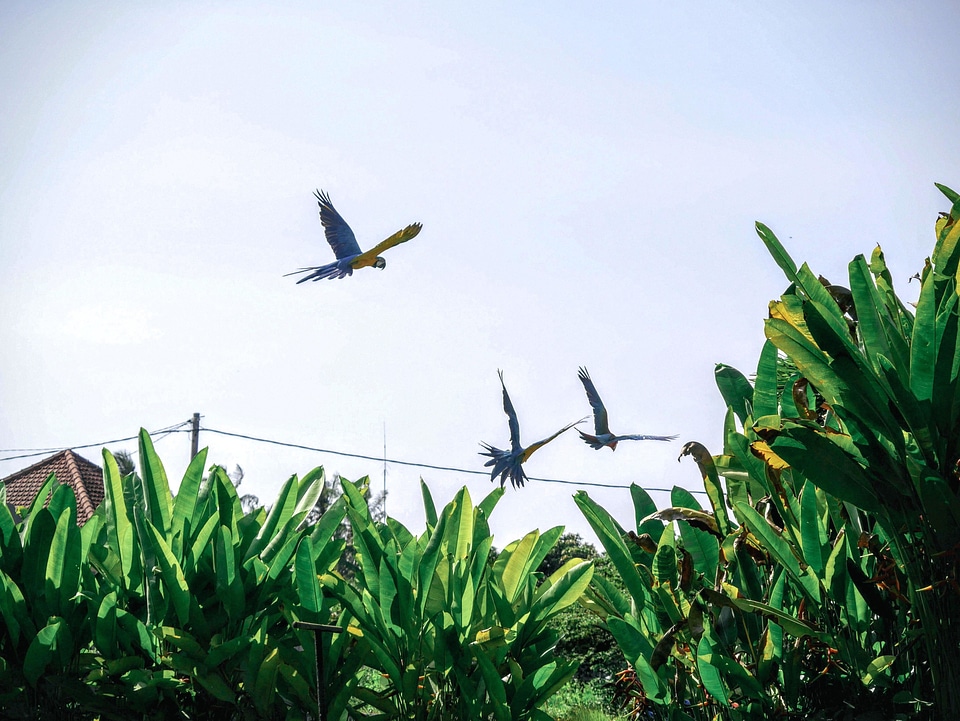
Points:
[(384, 470)]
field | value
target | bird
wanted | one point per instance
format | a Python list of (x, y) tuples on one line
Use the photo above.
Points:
[(603, 435), (509, 464), (345, 247)]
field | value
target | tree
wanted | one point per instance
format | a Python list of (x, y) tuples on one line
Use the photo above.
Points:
[(583, 636)]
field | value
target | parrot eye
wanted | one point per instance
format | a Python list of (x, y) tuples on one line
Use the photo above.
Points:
[(380, 263)]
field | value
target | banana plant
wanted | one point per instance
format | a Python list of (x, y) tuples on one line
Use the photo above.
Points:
[(197, 598), (878, 427), (825, 565), (453, 633), (44, 602)]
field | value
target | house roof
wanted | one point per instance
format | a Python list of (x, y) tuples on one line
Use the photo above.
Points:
[(84, 477)]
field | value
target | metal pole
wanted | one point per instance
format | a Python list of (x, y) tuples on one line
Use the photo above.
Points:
[(195, 436), (317, 629)]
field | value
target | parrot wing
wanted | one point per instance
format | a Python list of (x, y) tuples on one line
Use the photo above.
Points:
[(646, 438), (401, 236), (529, 450), (511, 417), (338, 233), (599, 411)]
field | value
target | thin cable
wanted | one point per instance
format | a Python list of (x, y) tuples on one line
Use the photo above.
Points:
[(419, 465), (43, 451)]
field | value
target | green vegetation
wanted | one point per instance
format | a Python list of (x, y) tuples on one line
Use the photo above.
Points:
[(834, 586), (456, 635), (819, 581), (156, 606)]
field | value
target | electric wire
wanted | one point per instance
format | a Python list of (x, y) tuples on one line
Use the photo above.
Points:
[(33, 452), (162, 433), (384, 459)]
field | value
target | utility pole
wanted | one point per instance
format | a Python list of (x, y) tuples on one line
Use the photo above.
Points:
[(195, 436)]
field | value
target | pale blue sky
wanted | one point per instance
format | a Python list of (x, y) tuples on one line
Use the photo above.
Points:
[(587, 175)]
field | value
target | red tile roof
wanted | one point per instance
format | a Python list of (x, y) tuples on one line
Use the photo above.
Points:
[(84, 477)]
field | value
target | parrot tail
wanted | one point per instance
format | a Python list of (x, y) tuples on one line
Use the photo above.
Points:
[(506, 464), (321, 272), (591, 441)]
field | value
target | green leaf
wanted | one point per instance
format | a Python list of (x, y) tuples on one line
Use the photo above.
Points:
[(880, 666), (634, 642), (709, 674), (736, 390), (118, 521), (922, 346), (952, 196), (62, 578), (459, 529), (225, 564), (643, 507), (827, 466), (13, 609), (765, 386), (308, 585), (279, 514), (41, 651), (781, 550), (495, 687), (604, 526), (704, 547), (264, 688), (170, 571), (564, 592), (813, 530), (680, 496), (778, 252), (105, 627), (793, 626), (517, 568), (185, 504), (665, 560), (490, 501), (156, 487), (40, 500), (429, 508)]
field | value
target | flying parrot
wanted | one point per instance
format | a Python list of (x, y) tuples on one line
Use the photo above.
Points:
[(344, 244), (603, 435), (509, 464)]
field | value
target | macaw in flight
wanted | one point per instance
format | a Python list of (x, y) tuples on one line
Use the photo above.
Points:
[(603, 435), (345, 247), (509, 464)]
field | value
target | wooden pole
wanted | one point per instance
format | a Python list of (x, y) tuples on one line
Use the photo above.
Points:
[(195, 436)]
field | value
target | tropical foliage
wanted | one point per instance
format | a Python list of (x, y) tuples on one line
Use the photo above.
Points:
[(161, 606), (836, 577), (455, 634), (187, 607)]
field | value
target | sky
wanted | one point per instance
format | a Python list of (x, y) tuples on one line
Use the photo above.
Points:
[(588, 178)]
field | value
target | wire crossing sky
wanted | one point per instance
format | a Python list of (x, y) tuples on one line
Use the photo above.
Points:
[(588, 178)]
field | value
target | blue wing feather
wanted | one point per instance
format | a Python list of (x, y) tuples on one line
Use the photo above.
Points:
[(338, 233), (600, 423), (512, 418)]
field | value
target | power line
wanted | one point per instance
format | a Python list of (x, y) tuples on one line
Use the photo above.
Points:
[(33, 452), (384, 459), (162, 433)]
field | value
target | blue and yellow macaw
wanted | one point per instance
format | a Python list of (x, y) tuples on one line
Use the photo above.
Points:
[(345, 247), (509, 464), (603, 435)]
